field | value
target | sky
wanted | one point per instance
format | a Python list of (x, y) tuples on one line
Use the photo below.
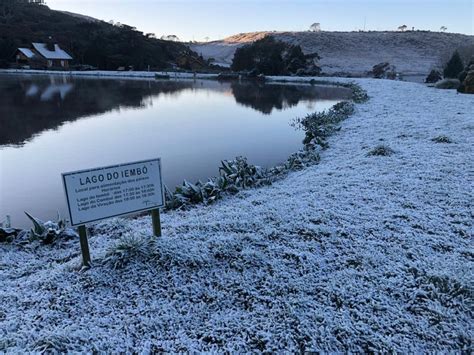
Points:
[(216, 19)]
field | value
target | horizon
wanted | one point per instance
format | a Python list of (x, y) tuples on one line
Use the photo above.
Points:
[(214, 20)]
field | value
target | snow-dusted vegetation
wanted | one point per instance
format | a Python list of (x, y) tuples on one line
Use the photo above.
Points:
[(411, 52), (362, 252)]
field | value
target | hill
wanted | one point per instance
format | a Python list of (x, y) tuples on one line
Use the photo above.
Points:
[(412, 52), (96, 43)]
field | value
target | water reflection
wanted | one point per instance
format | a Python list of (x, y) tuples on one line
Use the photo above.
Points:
[(30, 105), (54, 125), (265, 98)]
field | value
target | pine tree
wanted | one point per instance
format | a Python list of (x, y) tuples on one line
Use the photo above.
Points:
[(454, 66)]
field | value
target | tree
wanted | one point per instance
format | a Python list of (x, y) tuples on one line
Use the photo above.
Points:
[(402, 28), (172, 38), (443, 29), (433, 77), (454, 67), (315, 27), (272, 57)]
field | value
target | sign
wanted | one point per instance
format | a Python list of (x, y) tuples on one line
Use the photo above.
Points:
[(113, 191)]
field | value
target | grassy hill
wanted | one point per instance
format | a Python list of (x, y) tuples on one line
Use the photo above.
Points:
[(95, 43), (412, 52)]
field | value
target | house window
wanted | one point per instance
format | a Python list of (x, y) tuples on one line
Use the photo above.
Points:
[(50, 63), (62, 63)]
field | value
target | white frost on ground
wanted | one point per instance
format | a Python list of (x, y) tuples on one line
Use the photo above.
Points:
[(357, 253), (412, 52)]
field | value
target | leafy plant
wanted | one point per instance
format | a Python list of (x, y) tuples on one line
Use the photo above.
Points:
[(48, 232), (319, 126), (241, 174)]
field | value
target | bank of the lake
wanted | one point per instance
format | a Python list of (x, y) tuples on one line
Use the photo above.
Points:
[(358, 253)]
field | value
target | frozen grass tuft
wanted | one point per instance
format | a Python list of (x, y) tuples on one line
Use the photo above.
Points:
[(442, 139), (130, 247), (155, 251), (381, 150)]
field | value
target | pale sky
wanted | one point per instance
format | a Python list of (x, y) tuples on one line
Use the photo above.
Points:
[(195, 20)]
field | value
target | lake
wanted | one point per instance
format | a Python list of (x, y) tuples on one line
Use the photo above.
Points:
[(55, 124)]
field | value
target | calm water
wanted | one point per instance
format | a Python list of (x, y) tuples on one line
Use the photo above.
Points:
[(50, 125)]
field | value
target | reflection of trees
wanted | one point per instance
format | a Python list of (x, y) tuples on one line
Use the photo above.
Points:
[(28, 107), (265, 98)]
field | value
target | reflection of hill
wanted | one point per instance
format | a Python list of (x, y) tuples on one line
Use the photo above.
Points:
[(265, 98), (28, 106)]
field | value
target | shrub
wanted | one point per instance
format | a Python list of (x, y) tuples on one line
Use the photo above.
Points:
[(433, 77), (383, 71), (381, 150), (448, 84), (467, 78), (454, 67)]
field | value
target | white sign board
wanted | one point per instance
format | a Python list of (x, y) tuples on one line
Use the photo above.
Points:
[(112, 191)]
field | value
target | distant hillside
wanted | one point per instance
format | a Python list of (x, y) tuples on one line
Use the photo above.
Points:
[(89, 41), (414, 52)]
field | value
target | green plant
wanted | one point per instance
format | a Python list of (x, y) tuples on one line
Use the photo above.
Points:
[(242, 174), (319, 126), (49, 232)]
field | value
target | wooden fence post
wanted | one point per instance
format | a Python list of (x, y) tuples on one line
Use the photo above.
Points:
[(86, 256), (155, 219)]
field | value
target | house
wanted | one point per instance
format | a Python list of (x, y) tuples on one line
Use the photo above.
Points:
[(43, 55)]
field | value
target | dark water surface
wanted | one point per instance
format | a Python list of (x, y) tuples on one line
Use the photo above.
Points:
[(50, 125)]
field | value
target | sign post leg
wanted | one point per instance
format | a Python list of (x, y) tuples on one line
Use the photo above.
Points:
[(86, 256), (155, 220)]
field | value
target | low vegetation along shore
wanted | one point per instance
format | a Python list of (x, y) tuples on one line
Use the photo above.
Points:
[(368, 250)]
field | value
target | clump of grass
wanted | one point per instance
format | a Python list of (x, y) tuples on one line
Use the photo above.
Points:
[(130, 247), (54, 344), (442, 139), (381, 150)]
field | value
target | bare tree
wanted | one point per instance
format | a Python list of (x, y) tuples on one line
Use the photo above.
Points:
[(443, 29), (402, 28), (206, 39)]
